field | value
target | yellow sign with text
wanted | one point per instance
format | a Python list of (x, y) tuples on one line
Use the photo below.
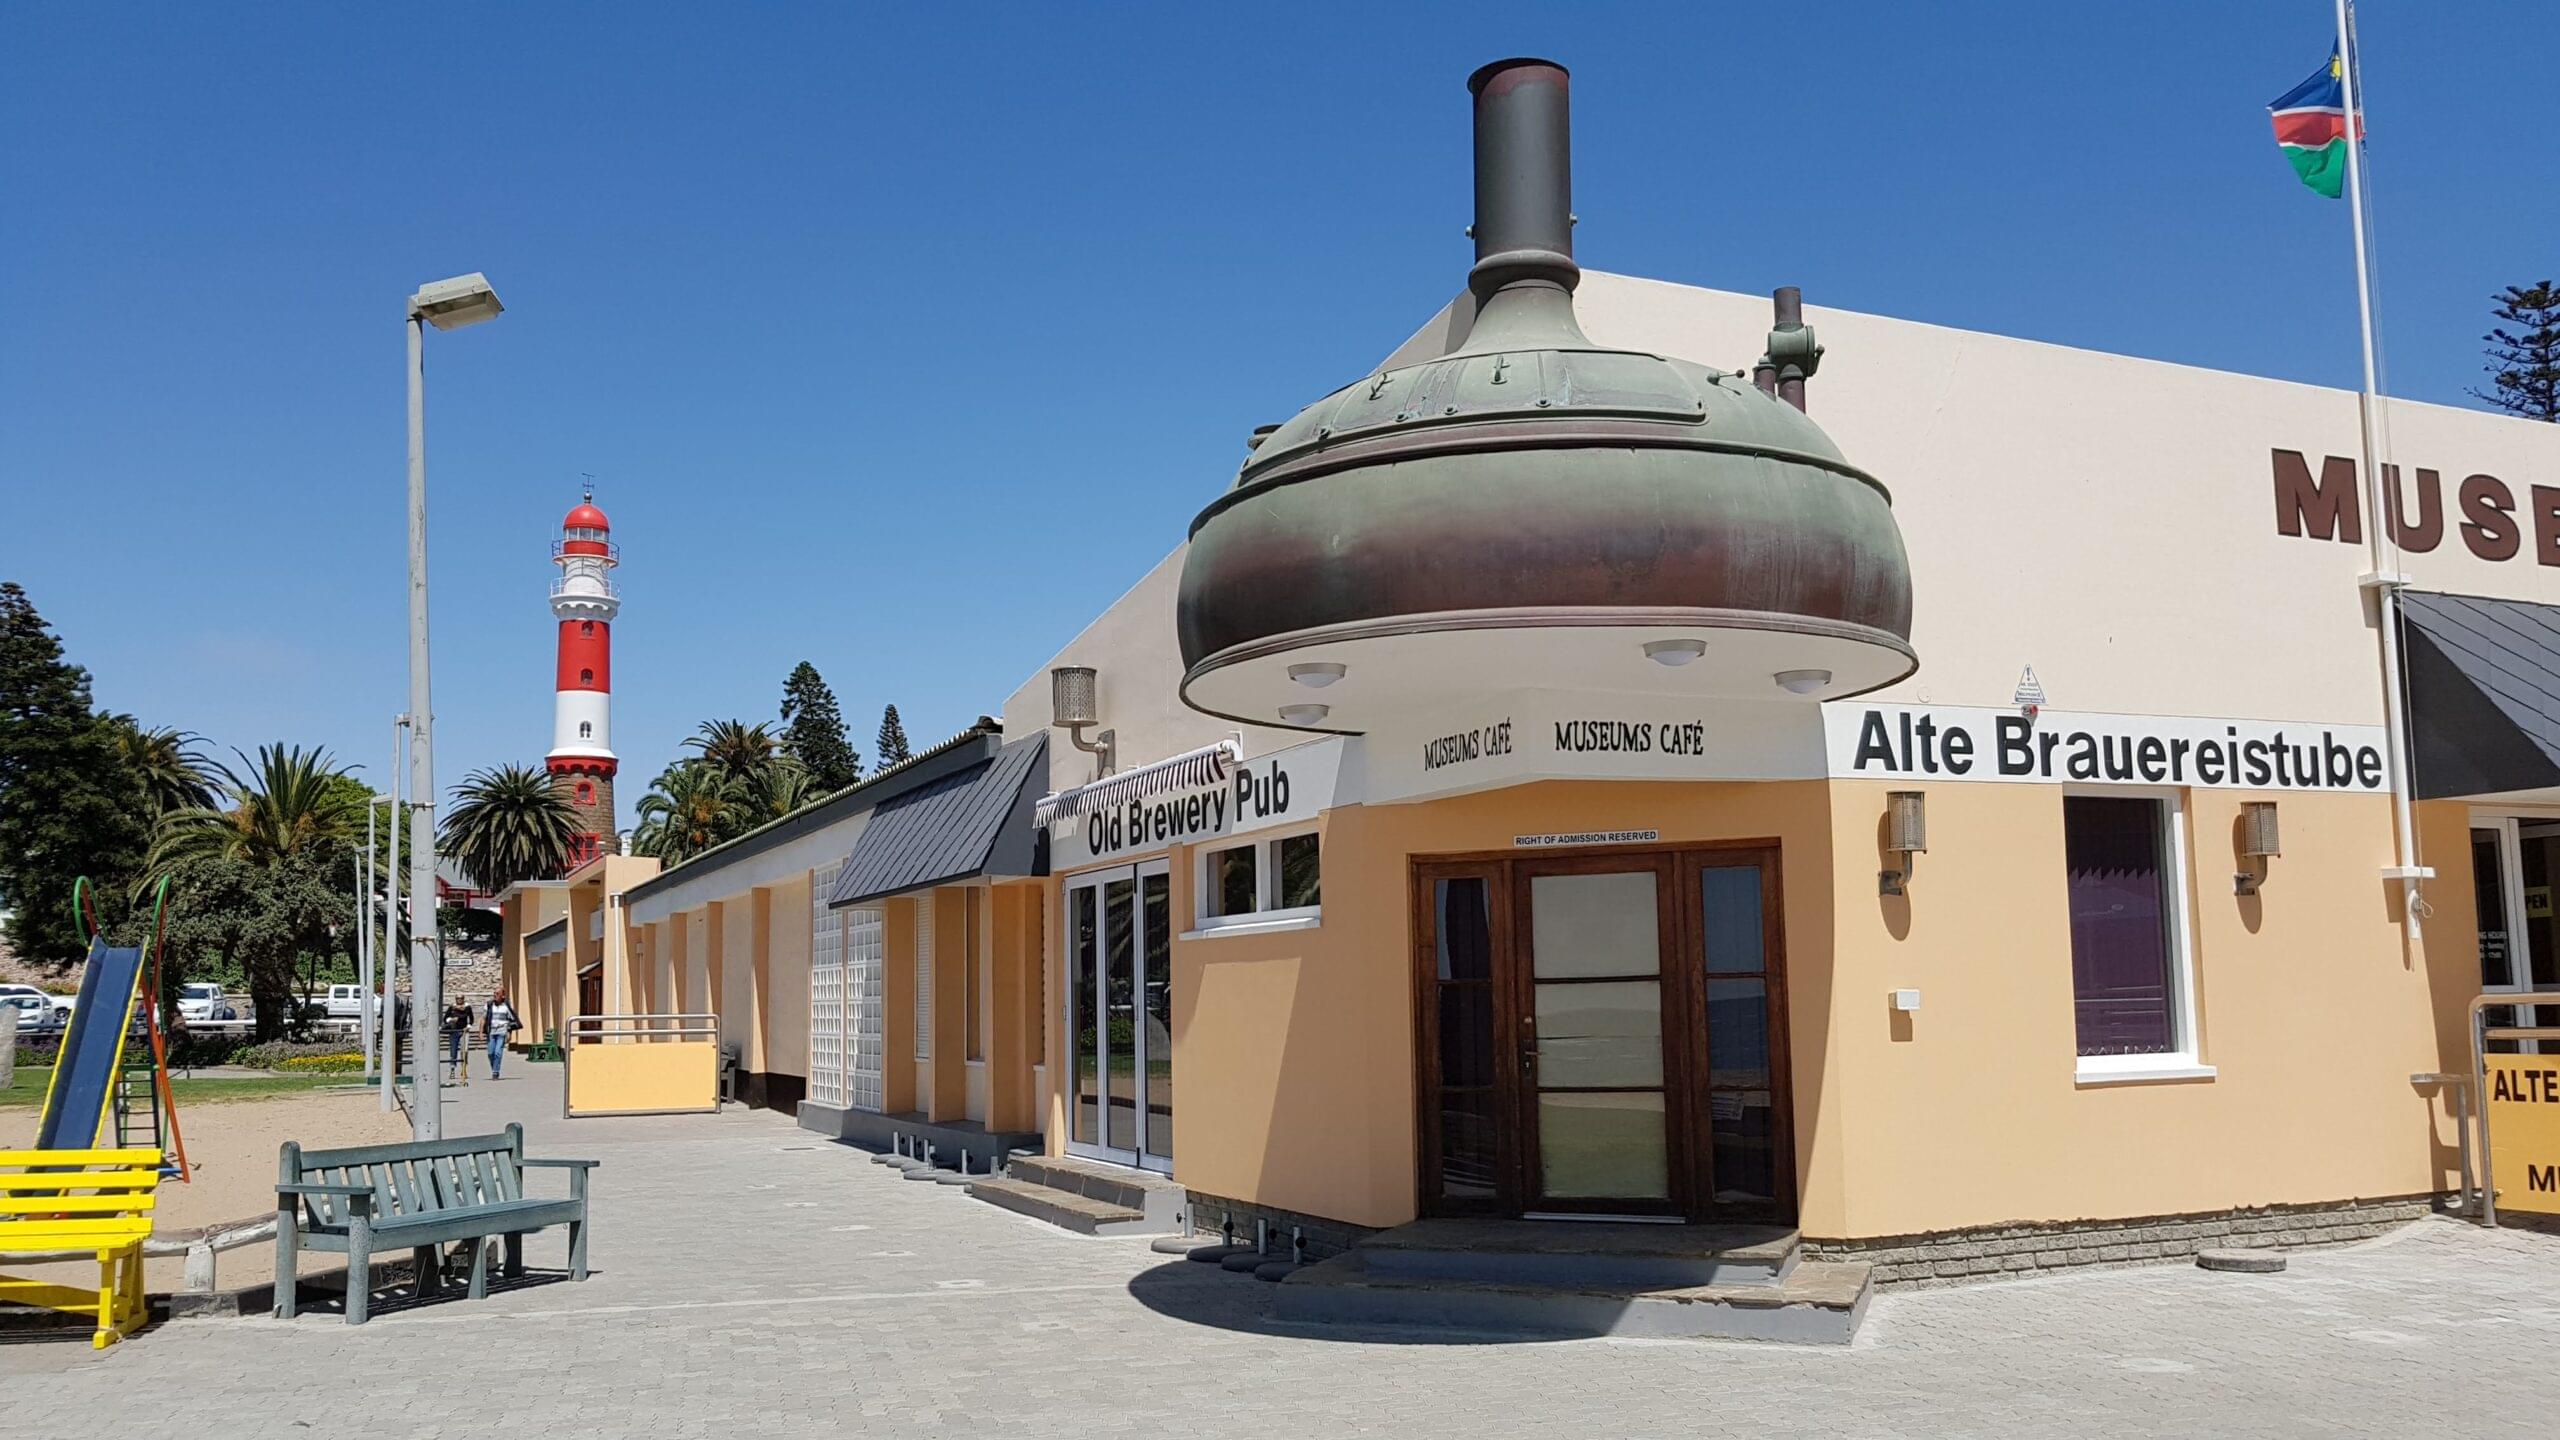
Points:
[(2524, 1130)]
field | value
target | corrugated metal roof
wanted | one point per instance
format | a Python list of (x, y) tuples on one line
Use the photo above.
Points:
[(975, 822), (2484, 694), (913, 773)]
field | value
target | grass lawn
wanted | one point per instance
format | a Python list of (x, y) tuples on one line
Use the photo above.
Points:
[(28, 1087)]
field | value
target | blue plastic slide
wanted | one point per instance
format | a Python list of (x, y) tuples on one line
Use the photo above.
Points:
[(84, 1073)]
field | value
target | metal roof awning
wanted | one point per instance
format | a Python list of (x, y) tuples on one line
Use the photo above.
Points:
[(2484, 694), (551, 939), (971, 823), (1187, 771)]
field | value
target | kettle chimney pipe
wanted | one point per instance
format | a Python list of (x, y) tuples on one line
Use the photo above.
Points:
[(1793, 352), (1524, 176), (1788, 303)]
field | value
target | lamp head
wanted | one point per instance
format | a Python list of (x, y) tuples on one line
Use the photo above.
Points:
[(452, 304)]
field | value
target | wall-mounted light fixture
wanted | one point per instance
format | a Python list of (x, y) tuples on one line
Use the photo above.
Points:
[(1906, 833), (1674, 652), (2259, 843), (1072, 705), (1317, 674), (1304, 714), (1802, 682)]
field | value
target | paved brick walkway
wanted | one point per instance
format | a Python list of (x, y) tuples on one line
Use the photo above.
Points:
[(754, 1281)]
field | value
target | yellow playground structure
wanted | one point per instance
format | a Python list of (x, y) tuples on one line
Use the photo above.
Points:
[(69, 1197)]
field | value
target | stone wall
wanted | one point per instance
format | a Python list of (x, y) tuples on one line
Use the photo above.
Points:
[(2000, 1252), (1324, 1238)]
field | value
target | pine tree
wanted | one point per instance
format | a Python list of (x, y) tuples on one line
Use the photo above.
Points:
[(893, 739), (2524, 363), (813, 731), (70, 803)]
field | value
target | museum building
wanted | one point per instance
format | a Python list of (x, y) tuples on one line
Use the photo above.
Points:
[(1623, 759)]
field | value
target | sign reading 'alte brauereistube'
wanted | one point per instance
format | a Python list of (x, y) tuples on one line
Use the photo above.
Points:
[(1918, 742)]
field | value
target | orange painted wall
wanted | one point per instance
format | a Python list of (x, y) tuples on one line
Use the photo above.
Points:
[(2310, 1009), (1293, 1050)]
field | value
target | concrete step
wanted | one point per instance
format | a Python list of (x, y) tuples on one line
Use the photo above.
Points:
[(1118, 1184), (1157, 1200), (1818, 1303), (1062, 1208), (1567, 1252)]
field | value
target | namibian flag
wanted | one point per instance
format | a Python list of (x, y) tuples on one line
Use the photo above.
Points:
[(2311, 128)]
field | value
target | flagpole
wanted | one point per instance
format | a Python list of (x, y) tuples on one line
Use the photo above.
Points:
[(2385, 579)]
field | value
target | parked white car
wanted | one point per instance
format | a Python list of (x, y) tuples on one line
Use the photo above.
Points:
[(346, 1002), (203, 1000), (35, 1010)]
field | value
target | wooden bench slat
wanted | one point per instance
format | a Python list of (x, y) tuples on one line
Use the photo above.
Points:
[(44, 1206), (78, 1234), (128, 1158), (81, 1180)]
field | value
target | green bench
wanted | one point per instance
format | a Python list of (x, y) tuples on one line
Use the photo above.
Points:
[(417, 1197)]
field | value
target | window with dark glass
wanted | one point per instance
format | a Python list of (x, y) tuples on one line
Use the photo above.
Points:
[(2123, 970), (1261, 876), (1234, 881), (1301, 878)]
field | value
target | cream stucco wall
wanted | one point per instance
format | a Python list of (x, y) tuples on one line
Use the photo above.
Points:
[(2109, 520), (786, 1006)]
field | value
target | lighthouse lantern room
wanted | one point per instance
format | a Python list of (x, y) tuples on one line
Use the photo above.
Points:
[(584, 603)]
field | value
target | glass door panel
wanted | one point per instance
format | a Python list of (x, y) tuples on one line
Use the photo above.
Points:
[(1595, 1039), (1740, 1075), (1084, 1033), (1120, 1014), (1465, 1113), (1155, 1042)]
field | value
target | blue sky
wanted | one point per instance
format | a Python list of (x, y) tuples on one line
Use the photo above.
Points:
[(901, 339)]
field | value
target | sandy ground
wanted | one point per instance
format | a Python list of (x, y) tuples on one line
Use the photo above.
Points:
[(231, 1145)]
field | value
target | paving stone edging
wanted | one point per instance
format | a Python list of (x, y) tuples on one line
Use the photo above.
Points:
[(1988, 1252), (2000, 1252)]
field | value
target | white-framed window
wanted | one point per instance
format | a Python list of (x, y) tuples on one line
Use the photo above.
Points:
[(1257, 883), (827, 1052), (2133, 983), (866, 1015)]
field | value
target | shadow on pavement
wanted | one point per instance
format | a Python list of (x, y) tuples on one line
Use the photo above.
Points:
[(1203, 1294)]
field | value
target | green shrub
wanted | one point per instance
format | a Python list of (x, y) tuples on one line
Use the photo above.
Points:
[(301, 1056), (195, 1050)]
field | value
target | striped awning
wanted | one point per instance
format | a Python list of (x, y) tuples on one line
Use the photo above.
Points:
[(1208, 765)]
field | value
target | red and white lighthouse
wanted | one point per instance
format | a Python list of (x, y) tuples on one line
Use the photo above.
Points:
[(584, 601)]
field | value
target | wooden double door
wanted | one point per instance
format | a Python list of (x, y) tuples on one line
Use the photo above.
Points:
[(1604, 1034)]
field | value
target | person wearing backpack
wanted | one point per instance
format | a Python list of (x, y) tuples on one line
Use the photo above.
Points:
[(499, 1021)]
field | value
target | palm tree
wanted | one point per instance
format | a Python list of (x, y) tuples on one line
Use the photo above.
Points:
[(175, 774), (739, 751), (508, 824), (776, 791), (691, 808), (289, 803)]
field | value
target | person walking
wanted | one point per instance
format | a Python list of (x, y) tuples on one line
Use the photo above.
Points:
[(456, 1022), (499, 1021)]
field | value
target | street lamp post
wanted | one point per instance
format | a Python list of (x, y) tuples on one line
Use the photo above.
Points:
[(447, 305)]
